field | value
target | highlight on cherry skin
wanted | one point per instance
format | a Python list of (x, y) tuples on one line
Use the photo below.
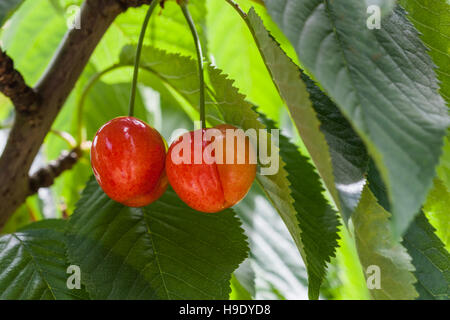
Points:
[(212, 183), (128, 157)]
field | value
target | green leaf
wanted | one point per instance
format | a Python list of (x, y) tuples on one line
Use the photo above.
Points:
[(432, 19), (32, 55), (163, 251), (437, 209), (235, 110), (20, 218), (231, 45), (274, 268), (443, 170), (238, 292), (33, 263), (348, 153), (385, 6), (336, 150), (345, 278), (7, 8), (429, 257), (317, 220), (376, 247), (382, 81)]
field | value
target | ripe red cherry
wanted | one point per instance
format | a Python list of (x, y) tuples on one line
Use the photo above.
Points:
[(211, 186), (127, 157)]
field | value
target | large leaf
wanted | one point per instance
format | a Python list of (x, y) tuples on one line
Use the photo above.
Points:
[(383, 82), (336, 150), (318, 221), (429, 257), (235, 110), (376, 247), (7, 7), (163, 251), (432, 19), (33, 263), (385, 6), (342, 145), (274, 269)]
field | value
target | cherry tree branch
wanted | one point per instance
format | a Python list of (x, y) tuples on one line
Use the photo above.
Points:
[(13, 86), (29, 129)]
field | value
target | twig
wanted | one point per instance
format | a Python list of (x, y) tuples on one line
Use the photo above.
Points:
[(45, 176), (12, 85)]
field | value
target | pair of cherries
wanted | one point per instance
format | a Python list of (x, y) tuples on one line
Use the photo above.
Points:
[(132, 167)]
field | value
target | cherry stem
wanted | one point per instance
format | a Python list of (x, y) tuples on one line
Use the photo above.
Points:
[(138, 55), (67, 137), (198, 46)]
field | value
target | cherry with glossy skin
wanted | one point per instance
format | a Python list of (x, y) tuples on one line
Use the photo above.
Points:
[(211, 186), (128, 157)]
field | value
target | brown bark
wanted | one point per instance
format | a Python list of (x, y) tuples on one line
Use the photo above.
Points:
[(45, 176), (30, 129), (14, 87)]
